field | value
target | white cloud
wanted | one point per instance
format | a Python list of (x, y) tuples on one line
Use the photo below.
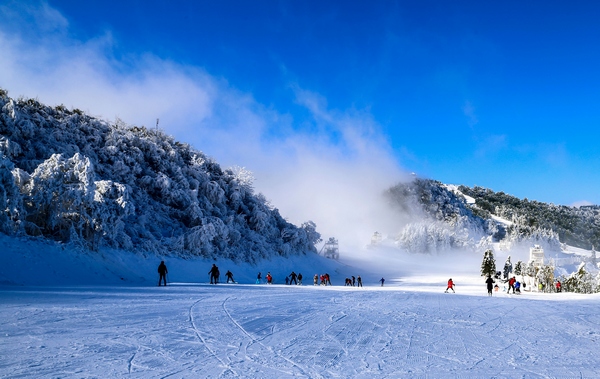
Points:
[(469, 111)]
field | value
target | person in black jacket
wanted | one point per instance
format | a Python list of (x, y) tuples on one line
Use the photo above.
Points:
[(162, 273), (214, 274), (490, 284)]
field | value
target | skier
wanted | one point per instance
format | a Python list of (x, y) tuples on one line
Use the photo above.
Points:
[(229, 276), (359, 281), (214, 274), (450, 286), (382, 281), (518, 287), (162, 273), (293, 277), (490, 282), (299, 278), (558, 286), (327, 280), (511, 284), (258, 278), (287, 280), (353, 280), (269, 278), (315, 280)]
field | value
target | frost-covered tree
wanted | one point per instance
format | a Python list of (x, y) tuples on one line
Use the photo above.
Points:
[(581, 281), (519, 268), (488, 265), (10, 199), (508, 268), (546, 277)]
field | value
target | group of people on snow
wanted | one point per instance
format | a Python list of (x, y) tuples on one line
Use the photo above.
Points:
[(353, 281), (323, 279), (515, 285), (294, 278)]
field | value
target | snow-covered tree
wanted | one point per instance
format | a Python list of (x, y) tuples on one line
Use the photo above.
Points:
[(519, 268), (488, 265), (581, 281), (10, 199), (508, 268), (546, 277)]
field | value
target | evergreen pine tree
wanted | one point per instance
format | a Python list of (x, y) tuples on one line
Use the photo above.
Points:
[(488, 265), (519, 268)]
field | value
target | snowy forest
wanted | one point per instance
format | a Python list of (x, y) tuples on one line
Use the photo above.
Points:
[(576, 226), (76, 179), (445, 219)]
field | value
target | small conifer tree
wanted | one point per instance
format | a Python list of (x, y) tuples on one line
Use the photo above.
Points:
[(488, 265)]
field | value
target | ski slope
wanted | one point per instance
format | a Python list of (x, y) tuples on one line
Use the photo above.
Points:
[(408, 330)]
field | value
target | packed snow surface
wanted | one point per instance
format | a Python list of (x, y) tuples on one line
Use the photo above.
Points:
[(407, 330), (67, 314)]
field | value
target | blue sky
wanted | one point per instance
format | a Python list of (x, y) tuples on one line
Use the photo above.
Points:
[(504, 95)]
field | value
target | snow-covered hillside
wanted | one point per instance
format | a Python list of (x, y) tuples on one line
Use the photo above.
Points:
[(75, 179)]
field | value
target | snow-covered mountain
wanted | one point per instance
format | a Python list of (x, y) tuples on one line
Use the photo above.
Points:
[(76, 179), (451, 216)]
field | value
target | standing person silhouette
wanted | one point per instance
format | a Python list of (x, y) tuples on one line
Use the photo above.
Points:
[(490, 284), (162, 273), (214, 274)]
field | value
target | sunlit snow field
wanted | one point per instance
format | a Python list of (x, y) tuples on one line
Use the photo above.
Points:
[(65, 314), (279, 331)]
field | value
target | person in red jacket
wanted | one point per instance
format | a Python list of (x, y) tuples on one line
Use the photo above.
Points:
[(450, 286), (511, 284), (558, 286)]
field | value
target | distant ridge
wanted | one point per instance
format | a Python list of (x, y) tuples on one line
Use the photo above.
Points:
[(460, 216)]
